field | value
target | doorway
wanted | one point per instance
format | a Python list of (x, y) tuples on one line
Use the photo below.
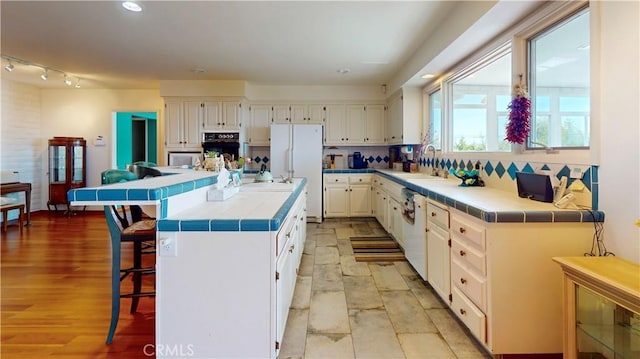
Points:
[(135, 140)]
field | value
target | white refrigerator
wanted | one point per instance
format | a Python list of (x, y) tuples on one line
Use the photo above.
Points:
[(296, 151)]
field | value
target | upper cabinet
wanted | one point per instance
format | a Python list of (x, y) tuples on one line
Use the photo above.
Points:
[(404, 117), (355, 124), (259, 129), (182, 119), (221, 115), (309, 114)]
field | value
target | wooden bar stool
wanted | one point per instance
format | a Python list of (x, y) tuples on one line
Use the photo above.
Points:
[(4, 209)]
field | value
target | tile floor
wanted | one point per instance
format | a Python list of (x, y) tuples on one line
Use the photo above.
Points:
[(347, 309)]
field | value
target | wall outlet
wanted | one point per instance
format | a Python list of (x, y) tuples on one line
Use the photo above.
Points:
[(169, 246)]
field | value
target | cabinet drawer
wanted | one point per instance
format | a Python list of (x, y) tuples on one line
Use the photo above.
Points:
[(329, 179), (472, 285), (437, 215), (470, 315), (469, 256), (465, 229), (360, 179)]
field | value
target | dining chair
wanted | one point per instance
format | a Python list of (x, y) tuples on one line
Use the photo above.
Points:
[(126, 225)]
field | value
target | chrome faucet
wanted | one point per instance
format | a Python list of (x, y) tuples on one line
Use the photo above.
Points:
[(434, 168), (285, 179)]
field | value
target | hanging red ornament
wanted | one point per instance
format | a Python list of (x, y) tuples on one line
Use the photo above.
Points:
[(519, 114)]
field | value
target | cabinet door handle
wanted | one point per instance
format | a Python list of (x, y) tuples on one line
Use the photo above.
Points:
[(433, 214), (291, 248), (462, 253), (360, 180), (463, 281), (350, 189), (346, 190), (463, 312), (336, 180), (462, 230)]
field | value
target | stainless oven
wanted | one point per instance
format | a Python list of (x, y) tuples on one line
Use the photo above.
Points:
[(221, 142)]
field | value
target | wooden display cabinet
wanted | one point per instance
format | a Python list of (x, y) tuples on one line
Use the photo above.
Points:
[(67, 168), (601, 308)]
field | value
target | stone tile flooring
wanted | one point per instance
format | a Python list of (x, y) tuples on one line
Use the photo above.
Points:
[(347, 309)]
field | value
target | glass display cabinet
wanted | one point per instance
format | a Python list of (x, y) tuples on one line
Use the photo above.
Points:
[(601, 308), (67, 168)]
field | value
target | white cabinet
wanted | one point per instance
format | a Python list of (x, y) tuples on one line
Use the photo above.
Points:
[(381, 206), (347, 196), (182, 120), (355, 124), (293, 235), (221, 115), (309, 114), (281, 114), (395, 220), (335, 120), (375, 125), (259, 130), (438, 259), (404, 120), (336, 198)]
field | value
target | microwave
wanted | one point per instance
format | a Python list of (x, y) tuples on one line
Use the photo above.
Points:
[(184, 158)]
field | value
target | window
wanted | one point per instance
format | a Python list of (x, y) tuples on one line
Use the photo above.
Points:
[(435, 120), (479, 99), (559, 84)]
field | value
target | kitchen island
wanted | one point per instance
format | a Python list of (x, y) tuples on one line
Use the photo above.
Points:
[(225, 270)]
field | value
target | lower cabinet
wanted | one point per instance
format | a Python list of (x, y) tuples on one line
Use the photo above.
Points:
[(347, 195), (438, 259), (395, 220), (293, 234)]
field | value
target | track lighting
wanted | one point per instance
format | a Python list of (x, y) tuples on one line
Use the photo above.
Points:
[(45, 69)]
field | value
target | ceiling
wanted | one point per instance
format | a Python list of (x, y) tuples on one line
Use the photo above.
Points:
[(304, 42)]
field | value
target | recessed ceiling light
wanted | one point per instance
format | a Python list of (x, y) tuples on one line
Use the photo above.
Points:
[(428, 76), (344, 71), (9, 67), (132, 6), (45, 75)]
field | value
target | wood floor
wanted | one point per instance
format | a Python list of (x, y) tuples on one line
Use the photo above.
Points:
[(56, 292)]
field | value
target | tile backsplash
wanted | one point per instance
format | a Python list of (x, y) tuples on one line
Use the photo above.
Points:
[(502, 174)]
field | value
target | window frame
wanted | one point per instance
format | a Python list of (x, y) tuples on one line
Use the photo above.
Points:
[(545, 17)]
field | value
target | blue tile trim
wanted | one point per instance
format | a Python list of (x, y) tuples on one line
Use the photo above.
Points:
[(197, 225), (168, 226), (572, 216), (510, 217), (254, 225), (595, 194), (538, 216), (225, 225)]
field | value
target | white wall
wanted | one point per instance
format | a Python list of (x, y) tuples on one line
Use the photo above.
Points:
[(21, 146), (88, 113), (618, 111)]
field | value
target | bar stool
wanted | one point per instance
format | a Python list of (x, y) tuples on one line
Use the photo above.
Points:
[(126, 225)]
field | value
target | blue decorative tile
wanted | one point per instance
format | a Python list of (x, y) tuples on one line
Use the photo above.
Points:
[(596, 216), (500, 169), (174, 189), (257, 159), (370, 159), (541, 216), (428, 162), (473, 211), (448, 163), (461, 207), (112, 194), (189, 186), (489, 216), (378, 159), (545, 167), (254, 225), (225, 225), (386, 159), (195, 225), (512, 170), (265, 159), (568, 216), (510, 217), (443, 164), (488, 168), (594, 174), (454, 164), (450, 202), (565, 171), (166, 225), (86, 195), (527, 168), (469, 165), (595, 193), (164, 208), (586, 178)]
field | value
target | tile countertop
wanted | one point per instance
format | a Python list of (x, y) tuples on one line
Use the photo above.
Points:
[(487, 204)]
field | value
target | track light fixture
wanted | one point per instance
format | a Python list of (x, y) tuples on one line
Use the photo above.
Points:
[(45, 69)]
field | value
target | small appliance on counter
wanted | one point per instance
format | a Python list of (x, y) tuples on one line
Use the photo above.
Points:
[(356, 161)]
